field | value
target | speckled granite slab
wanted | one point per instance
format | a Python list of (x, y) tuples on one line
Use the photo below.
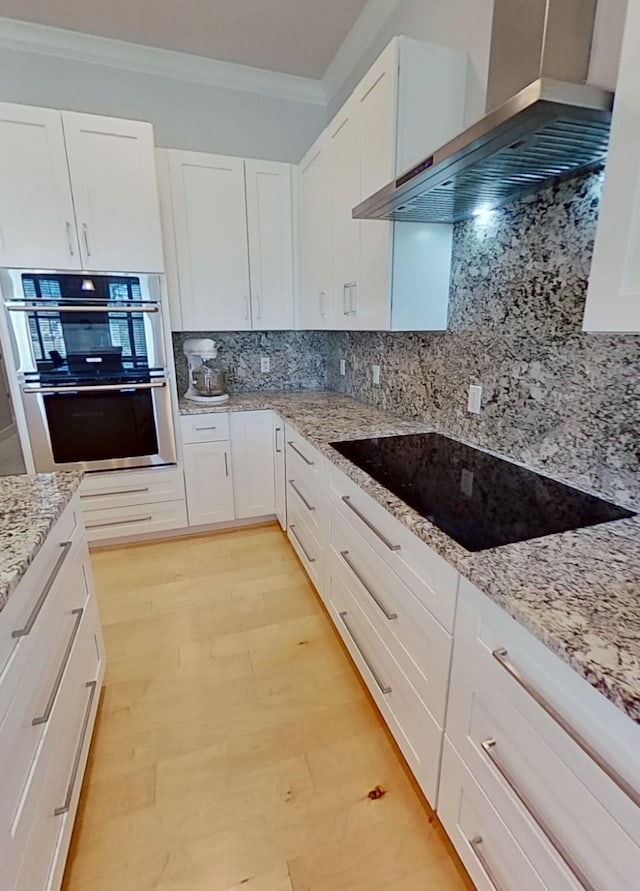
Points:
[(577, 592), (29, 506)]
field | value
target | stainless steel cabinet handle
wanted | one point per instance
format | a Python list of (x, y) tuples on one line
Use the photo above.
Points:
[(202, 429), (388, 615), (35, 612), (322, 296), (102, 388), (345, 310), (489, 748), (501, 655), (119, 522), (69, 239), (304, 550), (302, 455), (119, 492), (352, 307), (369, 524), (476, 844), (92, 685), (85, 232), (278, 430), (258, 307), (44, 717), (111, 307), (246, 306), (301, 496), (384, 688), (226, 464)]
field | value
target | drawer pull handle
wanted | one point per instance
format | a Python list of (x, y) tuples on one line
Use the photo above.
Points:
[(277, 430), (35, 612), (308, 506), (388, 615), (489, 748), (92, 685), (203, 429), (476, 844), (501, 655), (384, 688), (137, 491), (304, 550), (226, 464), (119, 522), (42, 719), (302, 455), (369, 524)]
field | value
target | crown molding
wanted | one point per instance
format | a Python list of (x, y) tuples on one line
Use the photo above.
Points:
[(89, 48)]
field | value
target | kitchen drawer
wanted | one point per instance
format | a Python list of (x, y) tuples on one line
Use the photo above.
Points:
[(310, 503), (419, 644), (23, 616), (432, 579), (38, 689), (205, 428), (143, 519), (122, 488), (36, 839), (306, 546), (304, 462), (529, 766), (417, 734), (490, 853)]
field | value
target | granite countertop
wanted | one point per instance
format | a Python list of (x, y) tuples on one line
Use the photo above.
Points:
[(578, 592), (29, 506)]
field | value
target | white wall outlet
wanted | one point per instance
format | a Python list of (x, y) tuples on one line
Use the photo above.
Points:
[(376, 374), (265, 365), (343, 367), (474, 403)]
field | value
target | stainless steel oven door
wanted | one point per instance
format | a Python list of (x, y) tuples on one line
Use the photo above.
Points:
[(100, 426)]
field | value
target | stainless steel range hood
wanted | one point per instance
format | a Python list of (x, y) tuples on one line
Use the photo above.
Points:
[(549, 130)]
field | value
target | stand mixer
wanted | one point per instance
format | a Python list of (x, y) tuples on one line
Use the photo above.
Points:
[(206, 378)]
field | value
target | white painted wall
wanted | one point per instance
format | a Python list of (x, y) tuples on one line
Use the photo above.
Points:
[(185, 115)]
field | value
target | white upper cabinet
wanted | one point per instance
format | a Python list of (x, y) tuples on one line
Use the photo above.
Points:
[(232, 223), (78, 192), (383, 275), (37, 223), (313, 237), (613, 299), (208, 197), (270, 228), (115, 194)]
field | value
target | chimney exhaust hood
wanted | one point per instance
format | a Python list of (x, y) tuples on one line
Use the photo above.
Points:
[(553, 128)]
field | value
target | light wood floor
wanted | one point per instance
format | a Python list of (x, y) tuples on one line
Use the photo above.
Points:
[(235, 745)]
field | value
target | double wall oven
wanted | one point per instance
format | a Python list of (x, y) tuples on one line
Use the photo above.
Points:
[(91, 363)]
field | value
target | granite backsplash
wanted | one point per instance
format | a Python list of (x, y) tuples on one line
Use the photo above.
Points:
[(564, 402), (298, 358)]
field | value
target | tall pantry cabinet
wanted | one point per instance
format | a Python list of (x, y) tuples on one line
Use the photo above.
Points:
[(370, 274)]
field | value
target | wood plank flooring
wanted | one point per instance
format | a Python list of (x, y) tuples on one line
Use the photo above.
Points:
[(235, 745)]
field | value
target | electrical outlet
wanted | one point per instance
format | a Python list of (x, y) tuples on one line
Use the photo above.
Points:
[(376, 374), (343, 367), (265, 365), (474, 402)]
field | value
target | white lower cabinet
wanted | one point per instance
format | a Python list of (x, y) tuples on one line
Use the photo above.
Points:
[(49, 691), (253, 463), (207, 473), (280, 470)]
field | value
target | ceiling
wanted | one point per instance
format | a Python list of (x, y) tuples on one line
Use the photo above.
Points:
[(291, 36)]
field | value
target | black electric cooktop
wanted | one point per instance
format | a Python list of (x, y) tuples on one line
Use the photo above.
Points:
[(479, 500)]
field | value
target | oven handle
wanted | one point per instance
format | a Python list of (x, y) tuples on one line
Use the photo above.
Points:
[(101, 388), (59, 307)]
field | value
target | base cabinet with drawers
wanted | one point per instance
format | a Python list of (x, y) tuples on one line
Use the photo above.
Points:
[(51, 671), (306, 506)]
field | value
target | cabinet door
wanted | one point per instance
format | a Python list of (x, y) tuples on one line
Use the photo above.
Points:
[(613, 299), (207, 471), (115, 193), (377, 102), (280, 480), (210, 218), (315, 250), (344, 172), (270, 228), (37, 223), (253, 471)]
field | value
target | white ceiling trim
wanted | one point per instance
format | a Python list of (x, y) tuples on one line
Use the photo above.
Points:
[(79, 47)]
